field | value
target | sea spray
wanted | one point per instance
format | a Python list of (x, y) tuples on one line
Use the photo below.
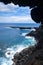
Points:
[(10, 52)]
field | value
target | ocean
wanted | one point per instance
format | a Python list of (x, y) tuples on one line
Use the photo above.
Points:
[(13, 40)]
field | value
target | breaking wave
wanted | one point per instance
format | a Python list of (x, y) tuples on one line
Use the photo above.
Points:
[(9, 52)]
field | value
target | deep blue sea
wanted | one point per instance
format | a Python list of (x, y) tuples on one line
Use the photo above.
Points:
[(13, 40)]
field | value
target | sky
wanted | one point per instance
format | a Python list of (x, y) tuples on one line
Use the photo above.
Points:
[(11, 13)]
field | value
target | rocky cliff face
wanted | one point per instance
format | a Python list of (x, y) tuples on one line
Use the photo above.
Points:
[(32, 55), (29, 56)]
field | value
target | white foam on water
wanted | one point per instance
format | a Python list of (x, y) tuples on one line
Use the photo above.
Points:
[(0, 48), (30, 37), (4, 63), (12, 51), (8, 27), (17, 28), (18, 48), (27, 37), (23, 34), (33, 29), (9, 52), (33, 41)]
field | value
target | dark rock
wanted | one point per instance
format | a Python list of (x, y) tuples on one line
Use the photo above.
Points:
[(32, 55)]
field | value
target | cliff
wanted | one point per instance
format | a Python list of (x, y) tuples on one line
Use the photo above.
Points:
[(32, 55)]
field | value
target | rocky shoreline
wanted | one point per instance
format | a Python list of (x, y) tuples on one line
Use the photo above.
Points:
[(32, 55)]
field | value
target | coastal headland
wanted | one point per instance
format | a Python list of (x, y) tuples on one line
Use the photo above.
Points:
[(32, 55)]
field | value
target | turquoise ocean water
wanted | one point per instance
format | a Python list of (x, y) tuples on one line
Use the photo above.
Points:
[(13, 40)]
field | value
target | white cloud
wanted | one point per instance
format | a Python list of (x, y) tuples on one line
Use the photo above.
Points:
[(12, 8), (15, 19), (17, 14), (12, 5), (5, 8)]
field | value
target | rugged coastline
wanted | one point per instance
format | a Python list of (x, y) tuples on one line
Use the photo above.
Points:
[(35, 54), (32, 55)]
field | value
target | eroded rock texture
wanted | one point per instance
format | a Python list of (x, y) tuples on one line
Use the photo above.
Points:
[(29, 56), (34, 54)]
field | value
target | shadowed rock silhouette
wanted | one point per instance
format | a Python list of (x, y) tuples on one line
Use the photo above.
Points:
[(34, 54), (36, 5)]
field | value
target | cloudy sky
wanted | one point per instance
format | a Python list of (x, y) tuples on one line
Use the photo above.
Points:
[(14, 14)]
